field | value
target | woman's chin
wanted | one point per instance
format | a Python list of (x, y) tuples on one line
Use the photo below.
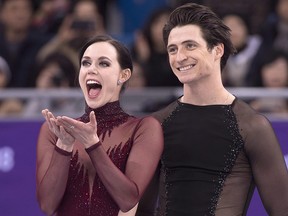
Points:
[(93, 102)]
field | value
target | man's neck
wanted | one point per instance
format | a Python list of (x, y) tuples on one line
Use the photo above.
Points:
[(206, 95)]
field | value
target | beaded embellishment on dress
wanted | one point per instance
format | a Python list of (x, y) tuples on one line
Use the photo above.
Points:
[(108, 117)]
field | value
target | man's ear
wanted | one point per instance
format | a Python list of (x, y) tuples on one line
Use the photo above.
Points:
[(125, 75), (219, 50)]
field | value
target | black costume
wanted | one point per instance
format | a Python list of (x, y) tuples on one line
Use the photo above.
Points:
[(212, 158)]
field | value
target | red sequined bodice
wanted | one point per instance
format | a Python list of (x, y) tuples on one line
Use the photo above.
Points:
[(84, 197)]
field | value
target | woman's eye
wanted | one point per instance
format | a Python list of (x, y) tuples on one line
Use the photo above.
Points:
[(85, 63), (104, 64)]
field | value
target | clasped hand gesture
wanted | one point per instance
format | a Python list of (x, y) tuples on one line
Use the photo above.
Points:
[(68, 130)]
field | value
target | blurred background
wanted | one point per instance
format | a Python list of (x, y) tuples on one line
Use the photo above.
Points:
[(39, 45)]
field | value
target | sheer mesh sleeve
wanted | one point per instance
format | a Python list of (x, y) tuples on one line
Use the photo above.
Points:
[(261, 161), (149, 201), (141, 164), (52, 171), (266, 159), (148, 204)]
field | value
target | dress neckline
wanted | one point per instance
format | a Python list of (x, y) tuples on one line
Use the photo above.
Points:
[(108, 117)]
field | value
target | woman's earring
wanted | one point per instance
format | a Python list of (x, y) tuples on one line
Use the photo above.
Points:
[(119, 82)]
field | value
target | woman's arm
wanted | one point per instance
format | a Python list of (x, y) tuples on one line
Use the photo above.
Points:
[(125, 188), (142, 162), (53, 160)]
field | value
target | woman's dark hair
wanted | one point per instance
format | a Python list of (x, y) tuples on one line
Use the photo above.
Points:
[(213, 29), (123, 54), (267, 59)]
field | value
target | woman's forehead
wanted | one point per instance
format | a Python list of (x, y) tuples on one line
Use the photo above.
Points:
[(101, 49)]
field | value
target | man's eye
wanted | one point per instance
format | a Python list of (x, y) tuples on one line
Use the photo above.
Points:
[(171, 50), (190, 46)]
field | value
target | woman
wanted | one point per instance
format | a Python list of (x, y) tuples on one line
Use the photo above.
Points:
[(101, 162)]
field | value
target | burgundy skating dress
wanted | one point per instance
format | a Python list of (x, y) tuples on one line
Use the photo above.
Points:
[(85, 193)]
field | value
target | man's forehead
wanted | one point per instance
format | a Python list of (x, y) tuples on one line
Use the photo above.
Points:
[(185, 33)]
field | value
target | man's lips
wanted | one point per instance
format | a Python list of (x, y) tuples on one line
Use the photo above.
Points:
[(185, 68)]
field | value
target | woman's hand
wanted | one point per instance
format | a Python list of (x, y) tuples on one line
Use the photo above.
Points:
[(66, 139), (132, 212), (85, 133)]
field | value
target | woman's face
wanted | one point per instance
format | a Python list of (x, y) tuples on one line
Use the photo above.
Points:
[(99, 74), (275, 74), (282, 10), (239, 31)]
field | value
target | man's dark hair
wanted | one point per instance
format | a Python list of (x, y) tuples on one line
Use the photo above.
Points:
[(214, 31)]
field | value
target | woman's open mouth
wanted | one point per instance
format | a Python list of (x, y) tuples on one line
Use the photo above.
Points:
[(93, 88)]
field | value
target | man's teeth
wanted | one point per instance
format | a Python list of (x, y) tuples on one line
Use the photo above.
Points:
[(185, 68)]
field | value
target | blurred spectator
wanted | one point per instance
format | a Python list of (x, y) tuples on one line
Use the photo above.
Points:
[(54, 72), (49, 15), (8, 106), (134, 13), (80, 24), (256, 11), (275, 29), (176, 3), (138, 79), (19, 45), (5, 73), (150, 51), (274, 36), (273, 73), (104, 7), (246, 46)]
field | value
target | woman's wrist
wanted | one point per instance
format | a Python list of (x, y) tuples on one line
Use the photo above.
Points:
[(62, 152), (93, 146), (67, 148), (92, 141)]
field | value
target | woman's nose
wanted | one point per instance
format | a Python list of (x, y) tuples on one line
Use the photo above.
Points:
[(92, 70)]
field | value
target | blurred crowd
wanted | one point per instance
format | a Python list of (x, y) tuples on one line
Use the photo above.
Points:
[(40, 40)]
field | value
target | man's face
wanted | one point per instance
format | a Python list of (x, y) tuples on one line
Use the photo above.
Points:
[(17, 14), (189, 57)]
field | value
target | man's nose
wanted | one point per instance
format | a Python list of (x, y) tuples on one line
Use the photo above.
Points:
[(181, 56)]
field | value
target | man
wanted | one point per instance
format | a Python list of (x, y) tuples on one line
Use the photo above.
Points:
[(19, 43), (217, 148)]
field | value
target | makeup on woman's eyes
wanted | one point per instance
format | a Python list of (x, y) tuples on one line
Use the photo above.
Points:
[(85, 62), (101, 61), (104, 63)]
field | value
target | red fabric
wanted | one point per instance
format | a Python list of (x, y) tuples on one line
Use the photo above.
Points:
[(108, 178)]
